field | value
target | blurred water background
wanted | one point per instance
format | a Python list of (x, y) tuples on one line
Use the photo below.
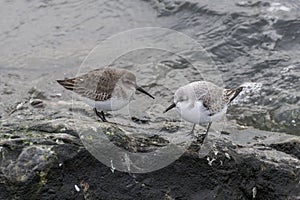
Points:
[(255, 43)]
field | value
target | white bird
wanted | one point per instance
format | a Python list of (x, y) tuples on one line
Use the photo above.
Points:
[(105, 89), (202, 102)]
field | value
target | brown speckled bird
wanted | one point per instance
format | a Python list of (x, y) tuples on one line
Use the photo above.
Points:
[(106, 89)]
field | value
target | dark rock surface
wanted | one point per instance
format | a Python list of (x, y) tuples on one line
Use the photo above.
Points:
[(42, 157)]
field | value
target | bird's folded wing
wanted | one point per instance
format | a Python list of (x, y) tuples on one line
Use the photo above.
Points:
[(97, 85)]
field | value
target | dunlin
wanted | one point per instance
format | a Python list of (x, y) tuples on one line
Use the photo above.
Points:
[(106, 89), (203, 102)]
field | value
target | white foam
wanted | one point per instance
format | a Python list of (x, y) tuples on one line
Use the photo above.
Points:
[(250, 90), (278, 7), (287, 69), (251, 86)]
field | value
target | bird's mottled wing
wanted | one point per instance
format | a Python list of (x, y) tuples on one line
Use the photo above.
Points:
[(97, 85), (210, 95)]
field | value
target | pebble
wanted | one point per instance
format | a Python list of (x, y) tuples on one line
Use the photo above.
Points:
[(57, 95), (77, 188), (36, 103)]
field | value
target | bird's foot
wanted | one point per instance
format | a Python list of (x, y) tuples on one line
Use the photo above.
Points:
[(201, 137), (100, 115), (198, 137)]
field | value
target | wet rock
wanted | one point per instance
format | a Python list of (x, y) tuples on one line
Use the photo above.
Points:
[(291, 147), (54, 126), (7, 91), (43, 158), (31, 161), (142, 120), (37, 94), (137, 143), (170, 127)]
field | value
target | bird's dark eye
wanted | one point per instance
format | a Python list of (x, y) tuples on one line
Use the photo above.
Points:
[(183, 98), (128, 82), (180, 99)]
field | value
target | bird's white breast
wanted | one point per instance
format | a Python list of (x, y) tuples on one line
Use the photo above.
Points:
[(116, 102), (189, 102), (193, 112)]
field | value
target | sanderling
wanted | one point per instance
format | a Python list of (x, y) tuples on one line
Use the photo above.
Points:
[(203, 102), (106, 89)]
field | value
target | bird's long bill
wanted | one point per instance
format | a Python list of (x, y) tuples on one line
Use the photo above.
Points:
[(143, 91), (170, 107)]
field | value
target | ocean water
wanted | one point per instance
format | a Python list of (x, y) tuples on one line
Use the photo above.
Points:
[(250, 43)]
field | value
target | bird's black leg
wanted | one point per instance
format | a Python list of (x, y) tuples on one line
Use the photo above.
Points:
[(207, 129), (103, 116), (192, 132), (100, 115)]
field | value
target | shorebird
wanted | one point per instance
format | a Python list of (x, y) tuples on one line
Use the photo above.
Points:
[(203, 102), (106, 89)]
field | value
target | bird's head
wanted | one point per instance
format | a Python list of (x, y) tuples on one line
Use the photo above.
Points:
[(129, 81), (180, 96)]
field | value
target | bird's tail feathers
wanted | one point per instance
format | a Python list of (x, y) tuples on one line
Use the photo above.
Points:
[(231, 94), (67, 83)]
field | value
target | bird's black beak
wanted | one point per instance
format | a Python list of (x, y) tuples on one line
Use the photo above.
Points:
[(143, 91), (170, 107)]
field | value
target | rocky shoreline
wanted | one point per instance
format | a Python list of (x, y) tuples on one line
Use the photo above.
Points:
[(42, 157)]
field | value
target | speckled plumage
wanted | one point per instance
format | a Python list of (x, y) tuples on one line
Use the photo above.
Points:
[(213, 97), (203, 102), (106, 89), (98, 84)]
